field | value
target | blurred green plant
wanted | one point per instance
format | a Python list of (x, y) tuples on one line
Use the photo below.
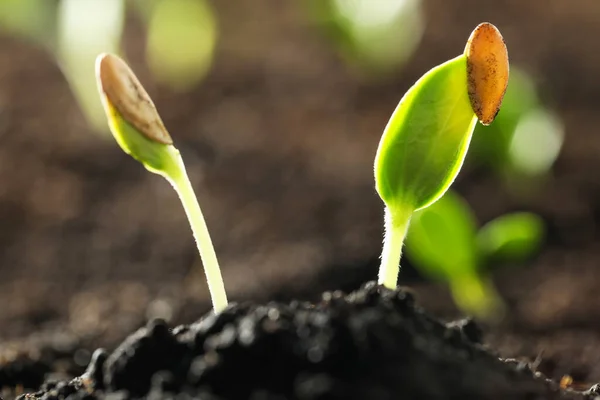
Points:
[(181, 38), (182, 35), (511, 238), (86, 28), (377, 36), (524, 141), (424, 144), (32, 19), (444, 243)]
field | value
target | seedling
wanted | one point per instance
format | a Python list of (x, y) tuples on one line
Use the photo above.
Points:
[(140, 132), (425, 142), (444, 243)]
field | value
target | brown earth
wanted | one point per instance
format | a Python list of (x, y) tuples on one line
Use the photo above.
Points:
[(279, 142)]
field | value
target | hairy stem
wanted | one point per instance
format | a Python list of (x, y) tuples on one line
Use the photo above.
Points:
[(396, 227), (180, 181)]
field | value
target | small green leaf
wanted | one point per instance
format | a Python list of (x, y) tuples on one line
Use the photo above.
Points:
[(511, 237), (441, 238), (158, 158), (132, 116), (425, 142), (441, 242)]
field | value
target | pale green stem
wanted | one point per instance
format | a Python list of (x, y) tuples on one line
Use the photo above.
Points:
[(180, 181), (477, 296), (396, 227)]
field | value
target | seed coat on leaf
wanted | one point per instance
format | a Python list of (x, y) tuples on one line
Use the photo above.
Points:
[(487, 71), (126, 94)]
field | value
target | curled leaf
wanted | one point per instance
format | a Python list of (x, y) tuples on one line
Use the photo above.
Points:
[(487, 71)]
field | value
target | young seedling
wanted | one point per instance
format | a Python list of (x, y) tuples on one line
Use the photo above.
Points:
[(445, 244), (425, 141), (140, 132)]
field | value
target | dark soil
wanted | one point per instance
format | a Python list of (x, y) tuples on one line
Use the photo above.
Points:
[(371, 344), (279, 143)]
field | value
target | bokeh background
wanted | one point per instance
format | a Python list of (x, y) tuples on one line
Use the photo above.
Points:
[(277, 107)]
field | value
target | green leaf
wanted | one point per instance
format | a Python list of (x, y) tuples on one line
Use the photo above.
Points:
[(156, 157), (441, 240), (425, 142), (133, 118), (511, 237)]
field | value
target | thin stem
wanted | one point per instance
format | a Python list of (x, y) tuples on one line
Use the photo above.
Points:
[(396, 227), (180, 181)]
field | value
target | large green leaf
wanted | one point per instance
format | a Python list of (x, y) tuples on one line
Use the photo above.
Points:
[(425, 142)]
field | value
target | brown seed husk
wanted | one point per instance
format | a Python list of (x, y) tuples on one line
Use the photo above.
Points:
[(127, 95), (487, 71)]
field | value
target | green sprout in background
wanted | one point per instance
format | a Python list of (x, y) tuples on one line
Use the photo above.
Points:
[(139, 130), (426, 140), (445, 243), (377, 37), (510, 238), (180, 39), (524, 141)]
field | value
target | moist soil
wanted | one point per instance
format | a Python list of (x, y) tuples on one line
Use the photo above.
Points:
[(92, 247), (371, 344)]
